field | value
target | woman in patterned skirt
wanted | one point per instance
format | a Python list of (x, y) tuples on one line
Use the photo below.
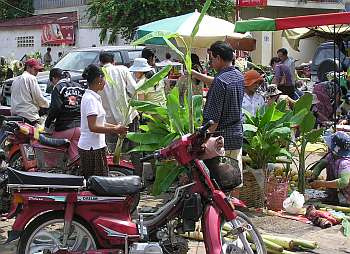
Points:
[(92, 145)]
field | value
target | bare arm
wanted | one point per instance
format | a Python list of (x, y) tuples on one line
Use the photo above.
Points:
[(109, 128), (208, 80)]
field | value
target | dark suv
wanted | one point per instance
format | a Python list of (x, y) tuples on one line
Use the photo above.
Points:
[(323, 60), (75, 62)]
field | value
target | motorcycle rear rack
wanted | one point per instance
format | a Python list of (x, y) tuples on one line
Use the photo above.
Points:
[(20, 187)]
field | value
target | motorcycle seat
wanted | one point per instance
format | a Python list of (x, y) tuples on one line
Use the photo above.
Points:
[(54, 142), (115, 186), (43, 179)]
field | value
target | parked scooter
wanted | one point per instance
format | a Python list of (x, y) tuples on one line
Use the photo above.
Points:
[(26, 153), (60, 214)]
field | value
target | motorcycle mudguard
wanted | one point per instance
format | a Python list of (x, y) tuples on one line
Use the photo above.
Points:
[(211, 223)]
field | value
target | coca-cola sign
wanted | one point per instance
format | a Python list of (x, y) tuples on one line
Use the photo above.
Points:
[(252, 3), (58, 34)]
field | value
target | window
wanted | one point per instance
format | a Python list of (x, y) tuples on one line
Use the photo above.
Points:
[(118, 58), (25, 41)]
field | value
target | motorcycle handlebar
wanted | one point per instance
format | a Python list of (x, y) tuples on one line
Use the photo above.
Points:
[(206, 126), (150, 157)]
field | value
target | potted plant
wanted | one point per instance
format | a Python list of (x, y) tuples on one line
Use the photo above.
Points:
[(267, 135)]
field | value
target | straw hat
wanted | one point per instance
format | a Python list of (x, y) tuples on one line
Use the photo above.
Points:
[(251, 77), (140, 65)]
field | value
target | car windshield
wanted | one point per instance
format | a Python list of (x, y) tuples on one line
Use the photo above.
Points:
[(78, 60), (327, 53)]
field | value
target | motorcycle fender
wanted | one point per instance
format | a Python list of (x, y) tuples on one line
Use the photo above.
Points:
[(222, 202), (211, 223), (116, 230)]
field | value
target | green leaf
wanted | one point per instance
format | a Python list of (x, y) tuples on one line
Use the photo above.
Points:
[(155, 79), (152, 35), (299, 117), (281, 106), (280, 131), (249, 118), (149, 107), (314, 135), (144, 128), (277, 115), (200, 18), (188, 62), (174, 107), (173, 47), (308, 123), (166, 173), (145, 148), (169, 138), (284, 152), (144, 138), (197, 109), (304, 102), (266, 118), (249, 127)]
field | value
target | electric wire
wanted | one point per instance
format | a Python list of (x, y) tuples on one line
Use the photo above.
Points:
[(10, 5)]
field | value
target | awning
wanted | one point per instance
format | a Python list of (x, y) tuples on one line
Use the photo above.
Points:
[(264, 24)]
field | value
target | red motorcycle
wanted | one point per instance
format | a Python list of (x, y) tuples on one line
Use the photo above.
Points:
[(60, 214), (45, 154), (27, 153)]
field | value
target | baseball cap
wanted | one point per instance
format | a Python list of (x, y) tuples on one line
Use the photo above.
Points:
[(34, 63), (251, 77)]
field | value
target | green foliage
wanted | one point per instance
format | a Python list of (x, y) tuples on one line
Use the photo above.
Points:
[(305, 121), (119, 17), (165, 123), (266, 135), (23, 9)]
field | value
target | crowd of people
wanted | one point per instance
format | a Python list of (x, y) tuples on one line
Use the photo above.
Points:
[(90, 118)]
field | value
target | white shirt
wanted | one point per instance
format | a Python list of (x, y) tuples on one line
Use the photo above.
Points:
[(165, 62), (252, 103), (91, 104), (290, 62), (116, 93), (26, 97)]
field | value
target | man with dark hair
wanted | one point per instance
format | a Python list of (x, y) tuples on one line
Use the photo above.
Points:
[(282, 54), (149, 54), (48, 57), (224, 99), (26, 96), (120, 86)]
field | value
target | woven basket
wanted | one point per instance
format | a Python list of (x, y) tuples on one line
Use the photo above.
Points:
[(251, 193), (276, 193)]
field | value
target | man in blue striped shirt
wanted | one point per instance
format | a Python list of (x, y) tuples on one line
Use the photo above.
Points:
[(224, 99)]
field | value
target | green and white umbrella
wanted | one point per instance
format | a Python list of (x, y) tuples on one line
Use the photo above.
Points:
[(210, 30)]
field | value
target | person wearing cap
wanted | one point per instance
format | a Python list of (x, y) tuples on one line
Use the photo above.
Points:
[(337, 163), (153, 94), (274, 95), (26, 96), (252, 101), (64, 111)]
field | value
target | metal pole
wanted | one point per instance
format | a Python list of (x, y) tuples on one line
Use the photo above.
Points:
[(335, 82)]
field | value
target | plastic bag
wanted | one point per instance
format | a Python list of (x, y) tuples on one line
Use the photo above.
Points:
[(294, 203)]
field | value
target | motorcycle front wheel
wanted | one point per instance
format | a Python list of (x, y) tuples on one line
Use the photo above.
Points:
[(240, 236), (45, 235)]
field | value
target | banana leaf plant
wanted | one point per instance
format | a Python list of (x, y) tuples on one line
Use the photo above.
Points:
[(304, 120), (165, 123), (267, 134), (186, 58), (149, 83)]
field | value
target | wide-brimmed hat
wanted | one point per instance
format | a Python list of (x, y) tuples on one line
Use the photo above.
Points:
[(140, 65), (272, 90), (34, 63), (251, 77), (339, 143)]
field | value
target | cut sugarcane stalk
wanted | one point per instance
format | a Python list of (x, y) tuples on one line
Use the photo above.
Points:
[(306, 244), (286, 243), (336, 208), (272, 246)]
